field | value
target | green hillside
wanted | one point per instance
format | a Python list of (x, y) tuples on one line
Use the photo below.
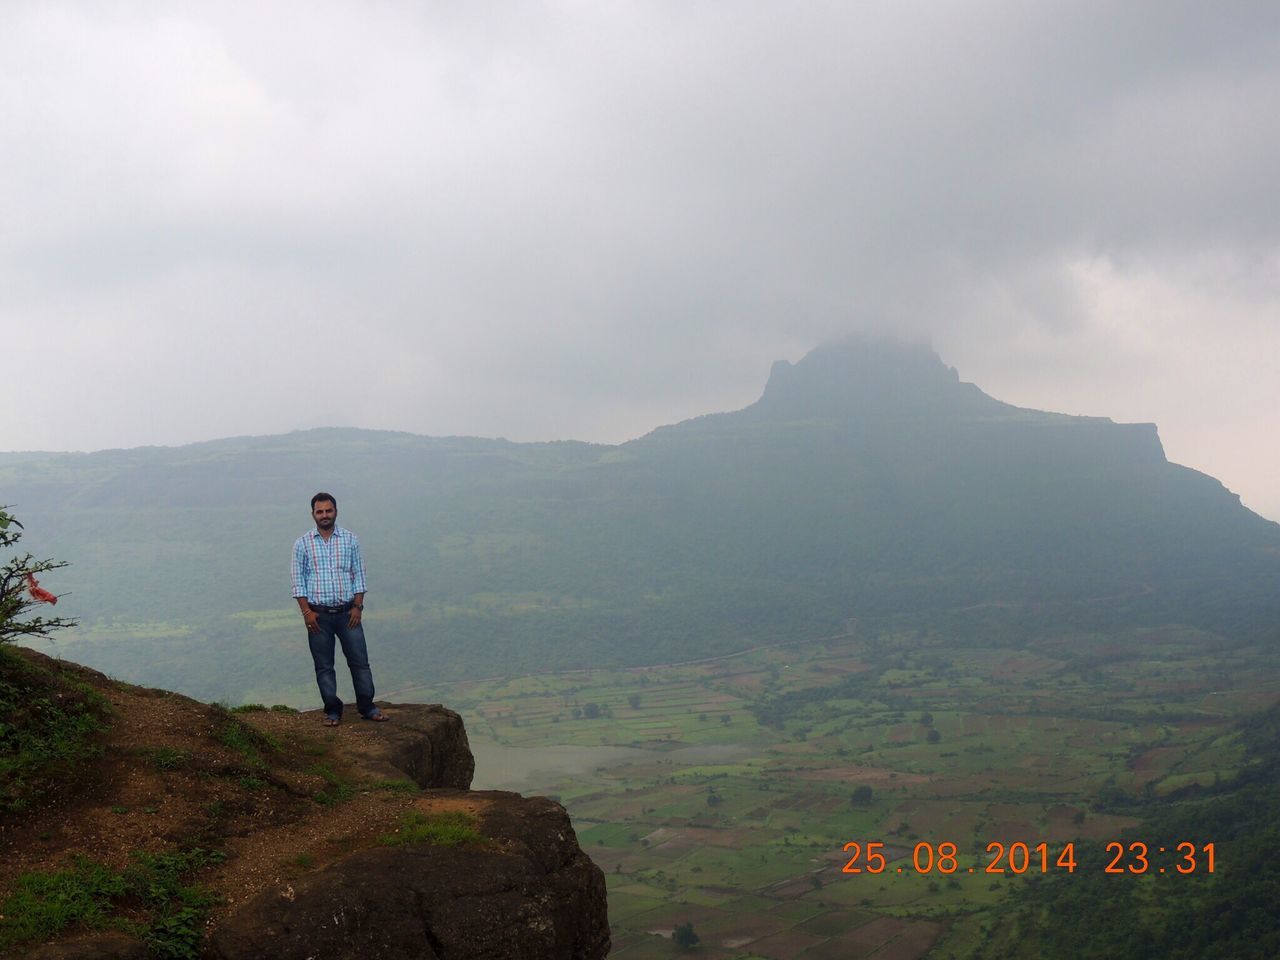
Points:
[(1227, 914), (868, 483)]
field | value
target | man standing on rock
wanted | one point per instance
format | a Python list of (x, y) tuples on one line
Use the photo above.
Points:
[(328, 583)]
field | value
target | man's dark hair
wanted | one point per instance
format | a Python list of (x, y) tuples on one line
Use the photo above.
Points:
[(323, 496)]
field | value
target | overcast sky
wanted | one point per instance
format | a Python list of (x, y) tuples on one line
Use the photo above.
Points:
[(583, 220)]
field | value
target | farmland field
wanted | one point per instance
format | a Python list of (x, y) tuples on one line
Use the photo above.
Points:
[(722, 793)]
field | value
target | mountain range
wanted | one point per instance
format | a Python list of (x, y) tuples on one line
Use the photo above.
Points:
[(868, 489)]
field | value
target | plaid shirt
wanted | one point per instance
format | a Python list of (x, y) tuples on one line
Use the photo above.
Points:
[(328, 572)]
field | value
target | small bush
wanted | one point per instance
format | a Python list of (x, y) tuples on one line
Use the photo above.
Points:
[(20, 592), (177, 935)]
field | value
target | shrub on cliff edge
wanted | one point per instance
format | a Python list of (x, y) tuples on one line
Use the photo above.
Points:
[(47, 717)]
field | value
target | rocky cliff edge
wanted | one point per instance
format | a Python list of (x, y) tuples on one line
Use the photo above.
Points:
[(161, 826)]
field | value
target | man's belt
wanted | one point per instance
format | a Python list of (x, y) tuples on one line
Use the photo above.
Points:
[(321, 608)]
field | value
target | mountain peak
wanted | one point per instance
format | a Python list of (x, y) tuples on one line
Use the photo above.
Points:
[(859, 376)]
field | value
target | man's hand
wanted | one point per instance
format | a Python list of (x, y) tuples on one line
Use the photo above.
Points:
[(312, 621), (354, 619)]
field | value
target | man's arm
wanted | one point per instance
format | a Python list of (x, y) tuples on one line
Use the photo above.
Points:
[(357, 582), (357, 609), (358, 586), (298, 570), (308, 615)]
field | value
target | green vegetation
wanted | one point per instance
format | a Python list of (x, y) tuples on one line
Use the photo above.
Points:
[(48, 726), (48, 720), (447, 829), (684, 936), (46, 903), (740, 829), (1229, 913), (336, 789), (245, 740), (152, 898), (20, 591)]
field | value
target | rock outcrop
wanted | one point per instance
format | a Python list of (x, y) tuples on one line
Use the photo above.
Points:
[(531, 893), (298, 840), (427, 743)]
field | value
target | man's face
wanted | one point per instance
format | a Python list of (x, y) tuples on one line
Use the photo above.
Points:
[(325, 513)]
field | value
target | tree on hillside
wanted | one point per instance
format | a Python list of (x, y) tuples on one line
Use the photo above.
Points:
[(20, 590), (684, 936)]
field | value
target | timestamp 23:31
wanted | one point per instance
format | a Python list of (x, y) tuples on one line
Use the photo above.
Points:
[(1018, 858)]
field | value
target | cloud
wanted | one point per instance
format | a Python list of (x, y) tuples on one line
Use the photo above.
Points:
[(563, 219)]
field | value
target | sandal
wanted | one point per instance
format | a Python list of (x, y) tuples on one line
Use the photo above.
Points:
[(332, 721), (378, 717)]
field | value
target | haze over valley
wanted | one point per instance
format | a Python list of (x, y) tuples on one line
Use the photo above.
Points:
[(868, 483)]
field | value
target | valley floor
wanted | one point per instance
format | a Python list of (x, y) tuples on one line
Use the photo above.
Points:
[(723, 794)]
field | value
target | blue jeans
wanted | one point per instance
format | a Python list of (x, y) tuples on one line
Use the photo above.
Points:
[(353, 648)]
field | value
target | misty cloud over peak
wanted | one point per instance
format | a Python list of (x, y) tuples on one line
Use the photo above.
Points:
[(547, 220)]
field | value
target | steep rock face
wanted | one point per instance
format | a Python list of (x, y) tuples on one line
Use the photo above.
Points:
[(531, 893), (527, 892)]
